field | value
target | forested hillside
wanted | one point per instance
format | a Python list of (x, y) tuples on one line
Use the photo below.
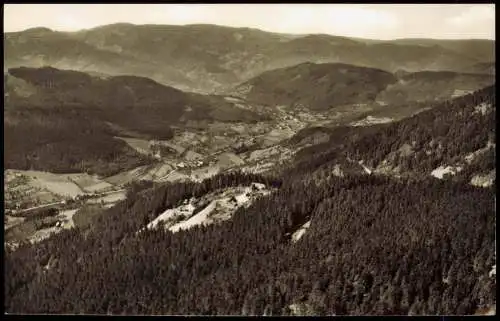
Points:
[(375, 244), (444, 135), (64, 141), (430, 86), (324, 86), (456, 133), (316, 86), (141, 99), (59, 120)]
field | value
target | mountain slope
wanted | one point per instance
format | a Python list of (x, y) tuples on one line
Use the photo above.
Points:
[(136, 95), (48, 113), (250, 265), (316, 86), (483, 68), (457, 135), (480, 49), (206, 57), (433, 86), (324, 86), (63, 141), (42, 47), (443, 136), (251, 262)]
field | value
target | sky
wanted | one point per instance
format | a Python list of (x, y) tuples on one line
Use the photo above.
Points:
[(375, 21)]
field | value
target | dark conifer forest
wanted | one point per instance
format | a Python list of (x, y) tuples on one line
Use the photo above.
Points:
[(64, 141), (377, 244)]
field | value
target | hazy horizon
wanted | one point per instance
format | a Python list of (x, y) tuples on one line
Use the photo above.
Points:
[(212, 24), (368, 21)]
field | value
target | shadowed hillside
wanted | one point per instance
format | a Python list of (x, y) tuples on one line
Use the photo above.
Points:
[(326, 86), (59, 119), (316, 86)]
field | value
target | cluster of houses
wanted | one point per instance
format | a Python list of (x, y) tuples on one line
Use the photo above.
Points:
[(190, 164)]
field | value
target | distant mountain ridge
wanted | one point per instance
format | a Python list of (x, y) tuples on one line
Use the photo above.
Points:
[(207, 58)]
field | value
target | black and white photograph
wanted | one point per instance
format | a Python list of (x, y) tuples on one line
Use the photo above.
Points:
[(238, 159)]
